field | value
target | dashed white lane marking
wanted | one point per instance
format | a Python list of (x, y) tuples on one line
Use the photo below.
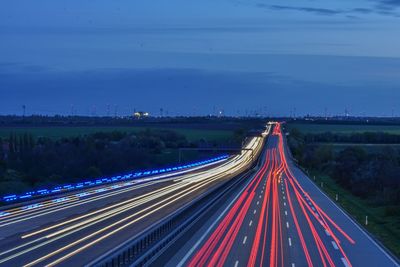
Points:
[(345, 262), (260, 196), (313, 208), (244, 240), (236, 264), (258, 202), (255, 211), (283, 197), (327, 233), (199, 240), (290, 241), (293, 265), (359, 228), (287, 224), (284, 203), (334, 245), (251, 222), (285, 212)]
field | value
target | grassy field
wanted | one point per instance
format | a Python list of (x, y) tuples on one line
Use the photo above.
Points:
[(370, 148), (343, 128), (383, 226), (382, 221), (58, 132)]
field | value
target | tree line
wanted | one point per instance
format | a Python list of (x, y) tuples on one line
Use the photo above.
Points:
[(27, 162), (355, 138), (372, 175)]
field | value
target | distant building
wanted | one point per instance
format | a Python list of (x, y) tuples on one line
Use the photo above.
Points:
[(140, 114)]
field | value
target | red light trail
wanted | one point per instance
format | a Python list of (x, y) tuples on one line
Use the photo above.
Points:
[(267, 245)]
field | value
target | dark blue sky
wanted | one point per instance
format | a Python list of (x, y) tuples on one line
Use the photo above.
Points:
[(193, 57)]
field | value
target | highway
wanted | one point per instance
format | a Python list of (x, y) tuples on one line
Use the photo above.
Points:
[(274, 217), (279, 217), (76, 228)]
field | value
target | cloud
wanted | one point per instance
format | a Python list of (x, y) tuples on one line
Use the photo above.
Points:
[(319, 11), (362, 10), (385, 8), (394, 3)]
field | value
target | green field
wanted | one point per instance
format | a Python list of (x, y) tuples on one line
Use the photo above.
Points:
[(381, 223), (59, 132), (370, 148), (343, 128)]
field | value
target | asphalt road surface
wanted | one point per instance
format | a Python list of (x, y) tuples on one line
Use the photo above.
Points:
[(76, 228), (278, 218)]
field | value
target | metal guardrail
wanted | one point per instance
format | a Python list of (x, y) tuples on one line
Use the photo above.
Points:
[(132, 176), (140, 249), (143, 247)]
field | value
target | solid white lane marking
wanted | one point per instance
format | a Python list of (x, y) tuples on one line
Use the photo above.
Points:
[(251, 222), (334, 245), (290, 241), (191, 251), (236, 264), (345, 262), (287, 224), (327, 233), (255, 211), (356, 225), (244, 240), (285, 212)]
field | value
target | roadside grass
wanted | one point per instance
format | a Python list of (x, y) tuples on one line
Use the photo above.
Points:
[(343, 128), (209, 135), (383, 221), (386, 228), (370, 148)]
